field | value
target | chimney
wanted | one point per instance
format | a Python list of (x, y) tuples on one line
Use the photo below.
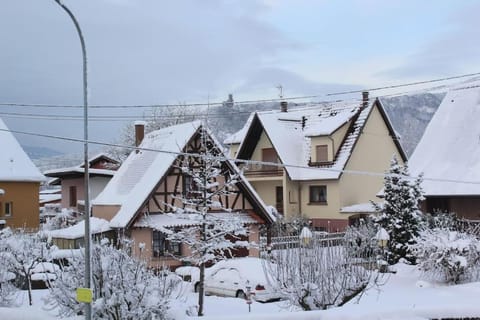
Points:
[(283, 106), (139, 132), (229, 102), (364, 99)]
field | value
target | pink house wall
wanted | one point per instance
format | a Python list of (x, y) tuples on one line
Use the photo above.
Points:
[(66, 184)]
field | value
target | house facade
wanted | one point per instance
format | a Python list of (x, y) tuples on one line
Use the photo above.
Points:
[(322, 162), (448, 155), (72, 180), (20, 183), (142, 199)]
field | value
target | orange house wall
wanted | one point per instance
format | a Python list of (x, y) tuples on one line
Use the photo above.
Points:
[(25, 199)]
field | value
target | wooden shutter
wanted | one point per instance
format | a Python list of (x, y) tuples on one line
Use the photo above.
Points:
[(73, 196), (322, 153)]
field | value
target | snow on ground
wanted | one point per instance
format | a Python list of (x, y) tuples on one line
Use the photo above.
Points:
[(403, 296)]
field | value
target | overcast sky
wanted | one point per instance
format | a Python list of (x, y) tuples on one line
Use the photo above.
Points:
[(153, 52)]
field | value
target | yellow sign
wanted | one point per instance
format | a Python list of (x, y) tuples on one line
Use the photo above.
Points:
[(84, 295)]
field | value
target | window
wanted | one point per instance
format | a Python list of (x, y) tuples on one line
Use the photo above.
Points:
[(72, 190), (279, 199), (8, 209), (190, 189), (322, 153), (318, 194), (269, 155), (162, 247)]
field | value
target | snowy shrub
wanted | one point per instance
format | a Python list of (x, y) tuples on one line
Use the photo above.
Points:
[(320, 275), (7, 289), (400, 215), (361, 240), (123, 287), (62, 219), (447, 255), (21, 253)]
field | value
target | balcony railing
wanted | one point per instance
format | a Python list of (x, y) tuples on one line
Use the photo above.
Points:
[(263, 170)]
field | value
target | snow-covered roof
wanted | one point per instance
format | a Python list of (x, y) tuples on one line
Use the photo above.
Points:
[(290, 133), (168, 220), (238, 136), (143, 170), (360, 208), (44, 198), (97, 225), (78, 170), (15, 165), (450, 147), (51, 191)]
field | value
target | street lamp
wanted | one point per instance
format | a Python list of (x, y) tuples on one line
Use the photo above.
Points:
[(86, 293), (382, 237), (305, 236)]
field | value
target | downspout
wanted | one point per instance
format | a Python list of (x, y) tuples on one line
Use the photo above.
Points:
[(300, 199)]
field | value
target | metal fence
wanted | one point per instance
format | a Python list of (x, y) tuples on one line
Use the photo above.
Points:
[(283, 242)]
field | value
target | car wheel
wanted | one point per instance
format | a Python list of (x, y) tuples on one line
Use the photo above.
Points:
[(196, 287), (240, 294)]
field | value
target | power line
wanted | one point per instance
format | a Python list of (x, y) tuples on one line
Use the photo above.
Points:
[(138, 106), (406, 84), (224, 158)]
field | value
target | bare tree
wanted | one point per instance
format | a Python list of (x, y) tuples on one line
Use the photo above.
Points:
[(213, 236), (318, 273)]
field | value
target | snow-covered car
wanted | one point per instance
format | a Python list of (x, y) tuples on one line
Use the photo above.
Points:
[(230, 278)]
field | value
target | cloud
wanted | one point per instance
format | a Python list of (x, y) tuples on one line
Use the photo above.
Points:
[(452, 52), (139, 52)]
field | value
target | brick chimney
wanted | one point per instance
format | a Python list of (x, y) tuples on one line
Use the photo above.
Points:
[(139, 132), (284, 106), (364, 99)]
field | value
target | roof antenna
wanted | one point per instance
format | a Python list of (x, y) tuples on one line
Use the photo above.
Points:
[(283, 103), (280, 89)]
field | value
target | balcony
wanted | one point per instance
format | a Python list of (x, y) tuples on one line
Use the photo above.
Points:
[(258, 170)]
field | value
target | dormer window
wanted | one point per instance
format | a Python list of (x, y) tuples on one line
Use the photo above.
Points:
[(322, 153)]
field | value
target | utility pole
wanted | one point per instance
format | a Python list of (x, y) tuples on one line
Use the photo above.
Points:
[(88, 271)]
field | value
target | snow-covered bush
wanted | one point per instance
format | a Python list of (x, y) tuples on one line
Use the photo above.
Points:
[(21, 253), (318, 274), (447, 255), (400, 215), (361, 239), (123, 287), (7, 289), (62, 219)]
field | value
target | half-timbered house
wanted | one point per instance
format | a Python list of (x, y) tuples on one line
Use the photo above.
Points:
[(151, 186)]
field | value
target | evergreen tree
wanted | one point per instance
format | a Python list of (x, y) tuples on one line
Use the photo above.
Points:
[(400, 215)]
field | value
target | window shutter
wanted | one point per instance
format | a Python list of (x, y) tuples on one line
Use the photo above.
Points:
[(322, 153)]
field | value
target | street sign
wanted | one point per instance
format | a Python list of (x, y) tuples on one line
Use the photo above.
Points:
[(84, 295)]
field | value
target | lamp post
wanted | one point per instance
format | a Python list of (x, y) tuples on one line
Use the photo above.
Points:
[(88, 272), (305, 236), (248, 287), (382, 237)]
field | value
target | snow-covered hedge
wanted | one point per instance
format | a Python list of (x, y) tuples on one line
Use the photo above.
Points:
[(447, 255), (123, 287)]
